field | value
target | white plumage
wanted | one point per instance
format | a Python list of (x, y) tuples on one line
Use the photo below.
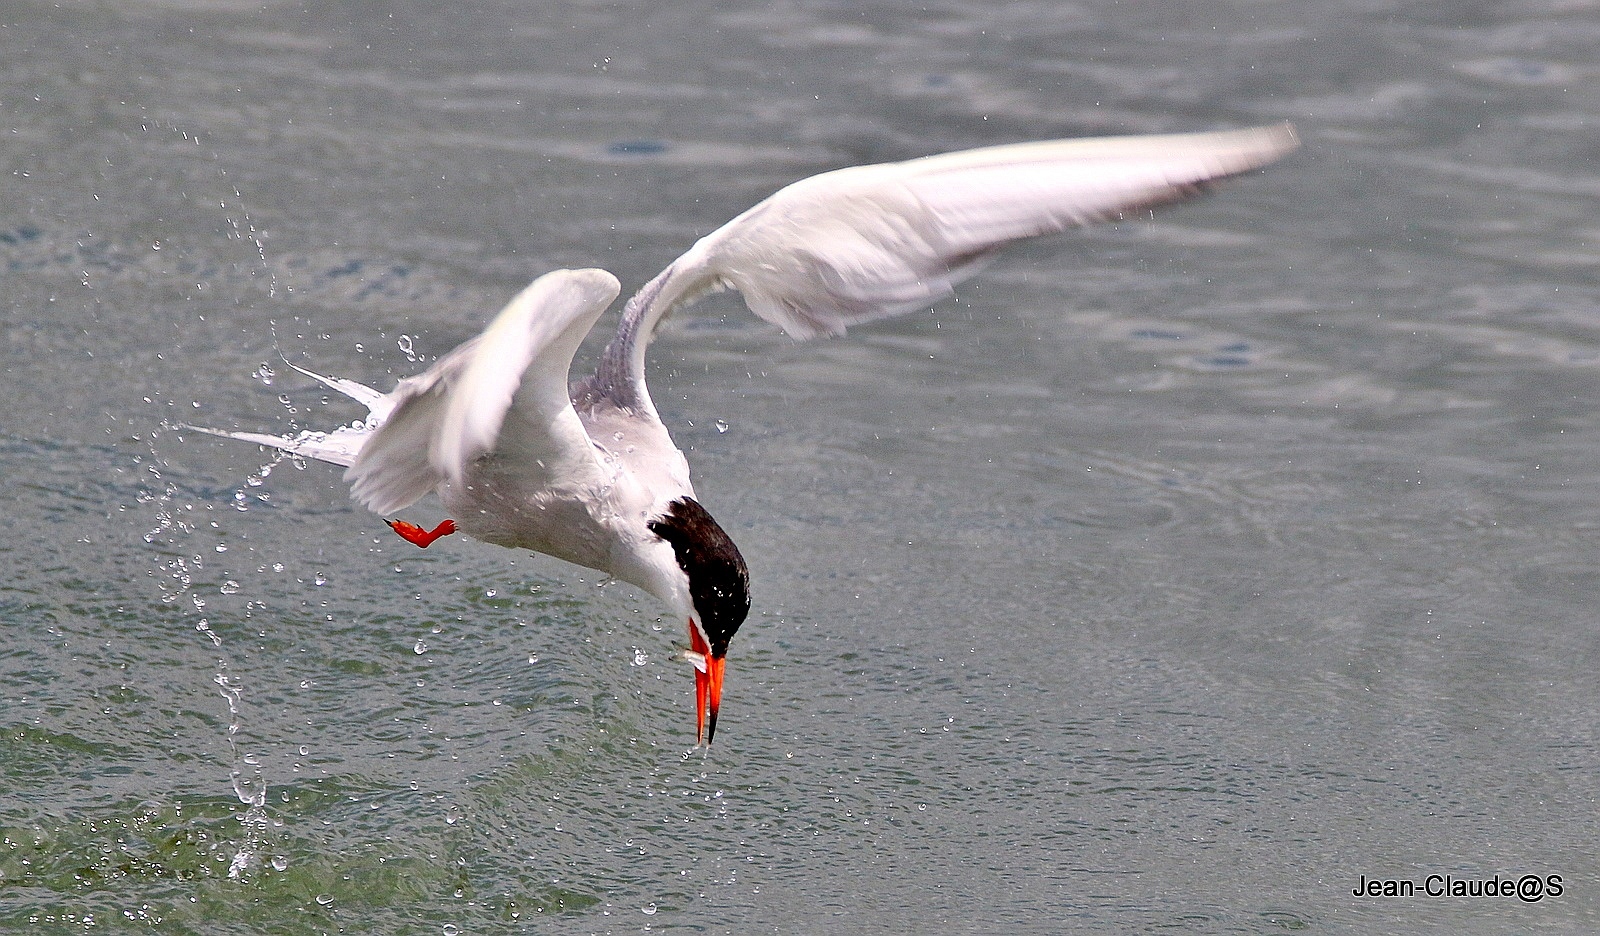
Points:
[(588, 473)]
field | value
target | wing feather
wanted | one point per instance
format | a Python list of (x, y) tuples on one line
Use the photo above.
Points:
[(504, 390), (857, 244)]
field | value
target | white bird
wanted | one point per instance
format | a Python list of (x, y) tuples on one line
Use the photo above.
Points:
[(588, 473)]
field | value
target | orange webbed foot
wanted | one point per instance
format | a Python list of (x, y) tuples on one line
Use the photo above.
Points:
[(415, 534)]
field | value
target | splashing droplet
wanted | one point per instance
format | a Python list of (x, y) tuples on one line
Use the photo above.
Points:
[(722, 426), (420, 647)]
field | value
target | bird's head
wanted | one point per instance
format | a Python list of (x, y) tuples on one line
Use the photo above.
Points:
[(719, 588)]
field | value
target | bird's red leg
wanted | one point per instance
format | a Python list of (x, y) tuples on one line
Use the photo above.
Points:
[(415, 534)]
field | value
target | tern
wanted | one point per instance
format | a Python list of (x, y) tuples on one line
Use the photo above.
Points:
[(585, 471)]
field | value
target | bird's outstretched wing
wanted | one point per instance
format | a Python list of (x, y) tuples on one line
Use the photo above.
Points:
[(857, 244), (504, 391)]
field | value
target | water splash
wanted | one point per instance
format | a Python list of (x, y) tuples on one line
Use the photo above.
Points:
[(179, 569), (249, 784), (179, 539), (240, 226)]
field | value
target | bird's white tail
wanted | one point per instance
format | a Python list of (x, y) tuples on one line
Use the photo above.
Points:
[(338, 447)]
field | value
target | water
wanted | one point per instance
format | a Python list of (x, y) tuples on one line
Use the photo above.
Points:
[(1177, 576)]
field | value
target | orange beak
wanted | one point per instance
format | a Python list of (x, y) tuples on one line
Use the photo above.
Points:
[(707, 686)]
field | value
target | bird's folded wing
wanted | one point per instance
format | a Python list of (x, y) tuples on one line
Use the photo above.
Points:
[(504, 391), (857, 244)]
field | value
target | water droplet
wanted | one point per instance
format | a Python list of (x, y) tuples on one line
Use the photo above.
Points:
[(639, 657), (452, 815), (222, 547), (533, 658), (648, 909), (264, 373), (279, 863), (230, 587), (420, 647), (320, 580), (721, 426), (490, 593), (325, 900), (450, 929), (405, 346)]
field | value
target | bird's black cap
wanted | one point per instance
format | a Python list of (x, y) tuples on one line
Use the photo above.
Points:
[(719, 583)]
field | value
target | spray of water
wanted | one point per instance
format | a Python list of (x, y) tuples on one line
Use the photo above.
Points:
[(181, 540)]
